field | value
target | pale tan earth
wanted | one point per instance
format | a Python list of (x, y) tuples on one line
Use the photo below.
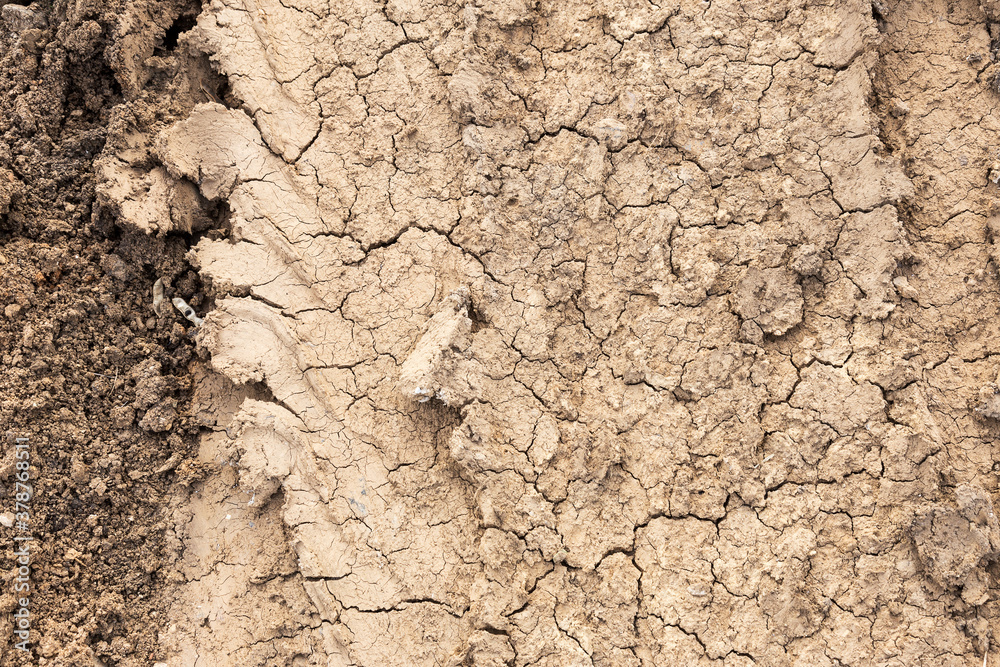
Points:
[(582, 333)]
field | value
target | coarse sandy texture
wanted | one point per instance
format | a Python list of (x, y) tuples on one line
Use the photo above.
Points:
[(537, 333)]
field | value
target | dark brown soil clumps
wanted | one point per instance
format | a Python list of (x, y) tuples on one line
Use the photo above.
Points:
[(96, 381)]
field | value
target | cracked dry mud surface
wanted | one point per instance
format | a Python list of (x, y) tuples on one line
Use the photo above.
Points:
[(580, 333), (593, 334)]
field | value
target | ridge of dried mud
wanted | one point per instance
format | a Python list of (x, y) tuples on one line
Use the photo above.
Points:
[(575, 333)]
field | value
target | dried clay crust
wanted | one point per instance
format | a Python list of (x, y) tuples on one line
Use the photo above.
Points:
[(593, 333)]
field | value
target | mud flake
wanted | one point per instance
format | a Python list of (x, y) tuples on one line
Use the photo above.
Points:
[(837, 399), (955, 543), (772, 298), (870, 248), (434, 369)]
